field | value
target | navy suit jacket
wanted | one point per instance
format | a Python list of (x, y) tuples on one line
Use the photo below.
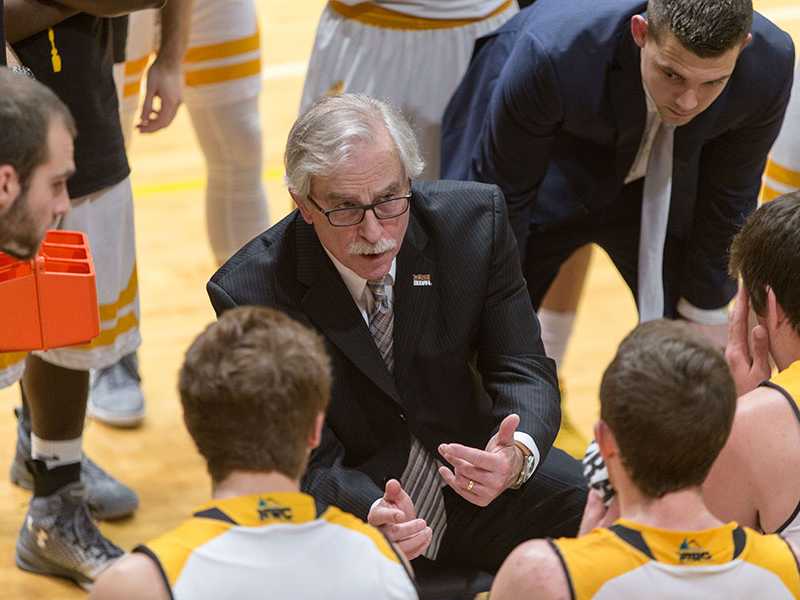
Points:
[(552, 110), (467, 347)]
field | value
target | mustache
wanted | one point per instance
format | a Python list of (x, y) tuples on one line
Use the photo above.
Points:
[(379, 247)]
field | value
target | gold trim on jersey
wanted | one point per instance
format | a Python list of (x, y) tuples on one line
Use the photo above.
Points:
[(789, 379), (215, 518), (377, 16), (597, 558)]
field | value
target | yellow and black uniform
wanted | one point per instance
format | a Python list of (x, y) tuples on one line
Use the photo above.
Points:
[(631, 561), (787, 382), (277, 546)]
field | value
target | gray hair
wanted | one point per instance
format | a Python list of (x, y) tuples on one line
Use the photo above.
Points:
[(326, 134)]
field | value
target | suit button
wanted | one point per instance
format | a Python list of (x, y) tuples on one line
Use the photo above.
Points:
[(403, 416)]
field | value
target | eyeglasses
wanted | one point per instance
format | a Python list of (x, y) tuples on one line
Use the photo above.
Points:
[(388, 208)]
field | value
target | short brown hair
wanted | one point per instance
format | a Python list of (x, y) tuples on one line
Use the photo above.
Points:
[(669, 398), (707, 28), (27, 108), (252, 386), (766, 252)]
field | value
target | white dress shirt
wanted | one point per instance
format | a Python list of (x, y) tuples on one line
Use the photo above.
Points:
[(717, 316)]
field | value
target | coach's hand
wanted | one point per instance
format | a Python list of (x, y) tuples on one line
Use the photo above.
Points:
[(747, 355), (395, 516), (480, 476)]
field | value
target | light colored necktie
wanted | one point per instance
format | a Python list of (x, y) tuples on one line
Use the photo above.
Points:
[(420, 479), (653, 232)]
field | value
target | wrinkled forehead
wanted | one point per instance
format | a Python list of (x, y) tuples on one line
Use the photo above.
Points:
[(373, 165)]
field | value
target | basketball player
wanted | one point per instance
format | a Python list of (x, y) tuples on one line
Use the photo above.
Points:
[(219, 80), (410, 52), (757, 476), (667, 402), (254, 388)]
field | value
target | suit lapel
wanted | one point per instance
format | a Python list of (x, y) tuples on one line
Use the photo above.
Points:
[(412, 303), (328, 304), (628, 102)]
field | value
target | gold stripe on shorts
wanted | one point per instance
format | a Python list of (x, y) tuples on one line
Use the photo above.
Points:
[(131, 89), (136, 67), (783, 175), (377, 16), (768, 193), (224, 73), (9, 359), (109, 311), (109, 336), (223, 50)]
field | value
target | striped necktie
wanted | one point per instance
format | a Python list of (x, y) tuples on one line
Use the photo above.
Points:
[(656, 197), (420, 479)]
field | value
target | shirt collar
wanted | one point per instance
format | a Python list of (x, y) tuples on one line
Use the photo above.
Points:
[(354, 282)]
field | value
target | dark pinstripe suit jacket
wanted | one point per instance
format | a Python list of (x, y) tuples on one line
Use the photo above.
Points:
[(467, 347)]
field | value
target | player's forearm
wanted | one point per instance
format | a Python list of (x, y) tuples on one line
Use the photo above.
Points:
[(176, 19), (111, 8), (25, 18)]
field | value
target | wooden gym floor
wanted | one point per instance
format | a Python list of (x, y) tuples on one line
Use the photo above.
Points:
[(158, 460)]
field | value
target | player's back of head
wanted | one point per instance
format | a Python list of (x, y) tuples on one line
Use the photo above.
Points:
[(252, 386), (669, 399)]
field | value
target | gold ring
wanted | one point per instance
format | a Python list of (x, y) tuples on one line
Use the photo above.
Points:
[(470, 485)]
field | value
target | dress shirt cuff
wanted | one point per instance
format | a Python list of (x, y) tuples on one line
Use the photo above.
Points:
[(715, 316), (524, 438)]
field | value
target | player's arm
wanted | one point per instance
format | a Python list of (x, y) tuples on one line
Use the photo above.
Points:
[(165, 75), (532, 570), (111, 8), (514, 369), (25, 18), (132, 577), (523, 118)]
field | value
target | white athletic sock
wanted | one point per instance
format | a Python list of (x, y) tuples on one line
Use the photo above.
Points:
[(56, 453), (556, 331)]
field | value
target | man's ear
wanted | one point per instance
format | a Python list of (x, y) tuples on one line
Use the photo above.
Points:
[(776, 316), (639, 30), (302, 206), (605, 440), (316, 431), (9, 187), (746, 42)]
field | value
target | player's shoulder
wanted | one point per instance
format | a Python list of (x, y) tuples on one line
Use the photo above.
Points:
[(358, 528), (132, 576), (533, 570)]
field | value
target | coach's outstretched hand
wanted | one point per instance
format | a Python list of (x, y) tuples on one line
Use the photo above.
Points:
[(396, 517), (480, 476)]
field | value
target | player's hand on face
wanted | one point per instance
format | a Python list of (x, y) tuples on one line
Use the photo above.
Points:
[(747, 352), (480, 476), (395, 516)]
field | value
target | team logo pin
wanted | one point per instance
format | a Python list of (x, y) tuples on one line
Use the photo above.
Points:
[(422, 279)]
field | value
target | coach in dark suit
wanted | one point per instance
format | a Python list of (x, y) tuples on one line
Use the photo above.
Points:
[(444, 406), (560, 108)]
